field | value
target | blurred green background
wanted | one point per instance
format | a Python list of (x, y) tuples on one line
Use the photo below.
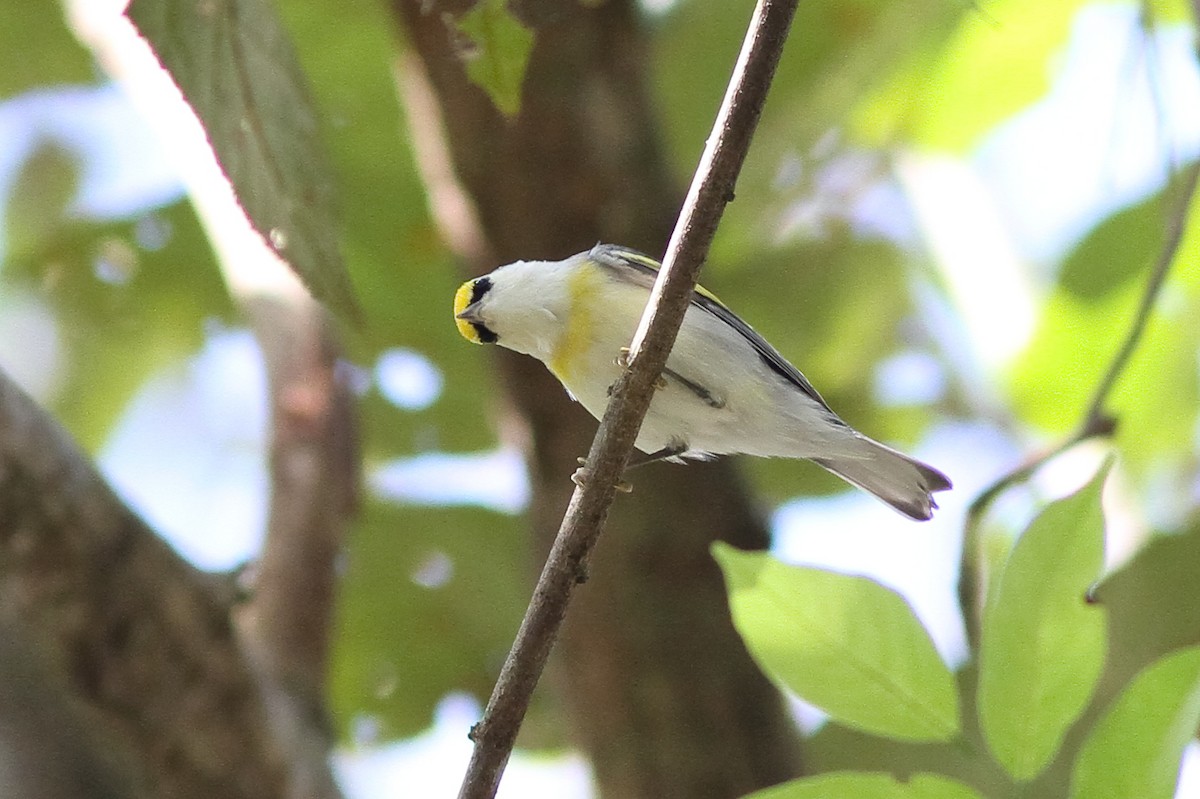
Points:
[(983, 187)]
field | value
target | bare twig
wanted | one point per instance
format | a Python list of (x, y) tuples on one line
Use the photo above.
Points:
[(1096, 420), (712, 188)]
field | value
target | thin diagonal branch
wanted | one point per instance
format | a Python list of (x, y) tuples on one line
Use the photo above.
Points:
[(1176, 225), (712, 188), (1096, 420)]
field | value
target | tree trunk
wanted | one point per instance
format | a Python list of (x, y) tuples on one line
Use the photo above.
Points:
[(137, 644), (660, 690)]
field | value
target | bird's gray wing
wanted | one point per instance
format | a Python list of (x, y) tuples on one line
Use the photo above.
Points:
[(642, 269)]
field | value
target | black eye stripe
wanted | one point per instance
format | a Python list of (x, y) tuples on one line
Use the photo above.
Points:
[(479, 288)]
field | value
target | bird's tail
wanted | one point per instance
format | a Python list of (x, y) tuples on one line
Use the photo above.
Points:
[(902, 482)]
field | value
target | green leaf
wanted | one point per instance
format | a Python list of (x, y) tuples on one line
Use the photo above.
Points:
[(1151, 603), (846, 644), (499, 52), (1135, 750), (1042, 643), (859, 785), (131, 298), (995, 65), (1155, 399), (852, 48), (1084, 321), (37, 208), (39, 28), (1115, 251), (404, 641), (234, 64)]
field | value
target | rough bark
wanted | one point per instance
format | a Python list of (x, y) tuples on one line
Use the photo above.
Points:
[(661, 691), (144, 687), (136, 641)]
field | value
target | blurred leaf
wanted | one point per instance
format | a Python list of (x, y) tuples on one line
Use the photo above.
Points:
[(1043, 645), (846, 644), (36, 210), (1135, 750), (430, 603), (996, 64), (1053, 379), (830, 305), (855, 785), (406, 278), (130, 298), (1151, 602), (1155, 400), (850, 49), (235, 66), (1115, 251), (1167, 10), (37, 49), (499, 53)]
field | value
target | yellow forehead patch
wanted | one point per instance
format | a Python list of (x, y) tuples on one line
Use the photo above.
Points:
[(462, 298)]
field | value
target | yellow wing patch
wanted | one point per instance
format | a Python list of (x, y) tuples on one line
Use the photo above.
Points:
[(638, 259)]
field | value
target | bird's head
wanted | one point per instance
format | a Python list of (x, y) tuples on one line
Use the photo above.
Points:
[(522, 306)]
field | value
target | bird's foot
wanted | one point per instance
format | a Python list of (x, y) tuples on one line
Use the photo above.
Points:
[(622, 360), (580, 478), (671, 450)]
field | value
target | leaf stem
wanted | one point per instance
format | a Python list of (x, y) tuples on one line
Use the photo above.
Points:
[(1096, 421)]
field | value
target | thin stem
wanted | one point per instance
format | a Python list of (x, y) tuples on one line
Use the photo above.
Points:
[(712, 188), (1096, 420), (1176, 225)]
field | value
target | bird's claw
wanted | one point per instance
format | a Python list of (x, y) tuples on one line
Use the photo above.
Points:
[(580, 478), (622, 360)]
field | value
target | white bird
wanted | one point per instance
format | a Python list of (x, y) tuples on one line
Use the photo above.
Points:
[(725, 390)]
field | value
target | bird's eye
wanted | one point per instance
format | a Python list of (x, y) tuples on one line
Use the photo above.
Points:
[(480, 287)]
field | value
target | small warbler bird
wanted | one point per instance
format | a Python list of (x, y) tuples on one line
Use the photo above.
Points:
[(725, 390)]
